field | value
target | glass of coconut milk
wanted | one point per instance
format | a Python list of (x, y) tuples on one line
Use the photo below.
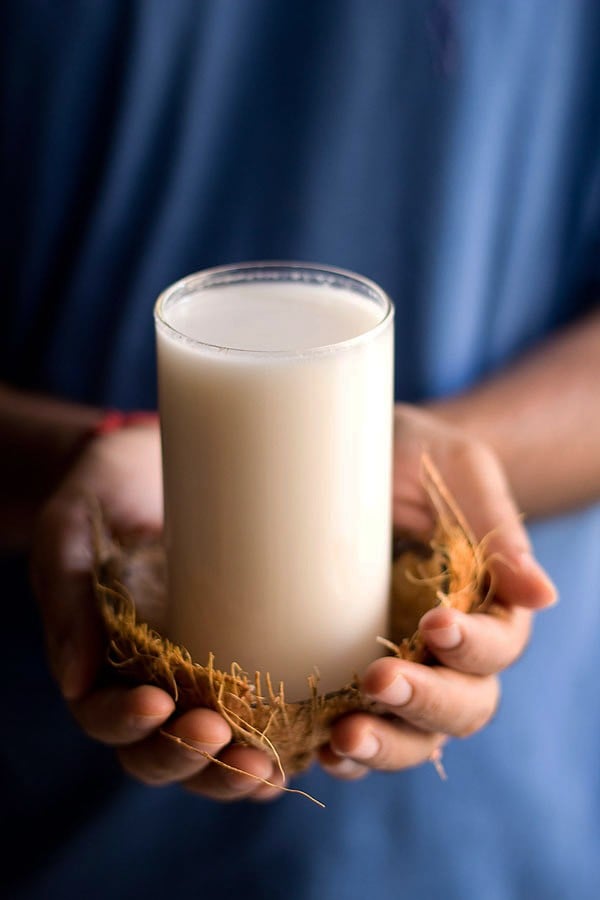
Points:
[(276, 411)]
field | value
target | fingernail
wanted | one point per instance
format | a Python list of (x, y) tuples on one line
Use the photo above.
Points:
[(193, 748), (447, 638), (367, 748), (143, 723), (397, 693), (343, 767)]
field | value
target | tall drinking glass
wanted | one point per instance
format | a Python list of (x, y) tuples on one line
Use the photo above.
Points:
[(276, 410)]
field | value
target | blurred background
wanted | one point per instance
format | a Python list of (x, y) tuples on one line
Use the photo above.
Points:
[(450, 151)]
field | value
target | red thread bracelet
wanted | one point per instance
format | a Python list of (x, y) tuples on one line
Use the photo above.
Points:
[(115, 420)]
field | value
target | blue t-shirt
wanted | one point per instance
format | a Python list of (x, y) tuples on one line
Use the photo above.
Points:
[(450, 151)]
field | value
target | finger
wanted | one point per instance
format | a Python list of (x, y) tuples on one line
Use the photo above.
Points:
[(161, 759), (432, 698), (117, 716), (478, 643), (382, 744), (218, 783), (516, 575), (342, 767), (61, 566), (481, 488), (265, 794)]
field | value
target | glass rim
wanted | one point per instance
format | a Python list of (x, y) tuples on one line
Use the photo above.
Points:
[(196, 279)]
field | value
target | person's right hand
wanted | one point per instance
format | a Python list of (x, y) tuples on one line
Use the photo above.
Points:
[(122, 472)]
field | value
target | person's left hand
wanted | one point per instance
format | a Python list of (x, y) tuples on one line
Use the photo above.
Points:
[(426, 704)]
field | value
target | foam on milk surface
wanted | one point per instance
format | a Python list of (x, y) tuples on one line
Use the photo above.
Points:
[(270, 317)]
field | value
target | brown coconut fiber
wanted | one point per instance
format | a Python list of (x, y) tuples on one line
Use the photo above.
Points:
[(449, 570)]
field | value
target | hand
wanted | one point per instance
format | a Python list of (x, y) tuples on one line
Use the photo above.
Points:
[(122, 470), (458, 697)]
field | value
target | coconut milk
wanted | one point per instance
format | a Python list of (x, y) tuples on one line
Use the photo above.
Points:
[(277, 477)]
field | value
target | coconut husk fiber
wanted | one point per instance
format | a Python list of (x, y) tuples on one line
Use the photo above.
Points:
[(447, 570)]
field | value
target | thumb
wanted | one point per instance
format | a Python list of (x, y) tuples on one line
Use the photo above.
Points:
[(488, 505), (61, 575)]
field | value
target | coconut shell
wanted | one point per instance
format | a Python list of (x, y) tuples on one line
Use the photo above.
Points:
[(446, 570)]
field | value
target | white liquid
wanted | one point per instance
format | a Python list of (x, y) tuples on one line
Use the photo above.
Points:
[(277, 477), (274, 317)]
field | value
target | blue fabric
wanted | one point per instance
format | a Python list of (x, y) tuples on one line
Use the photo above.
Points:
[(450, 151)]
